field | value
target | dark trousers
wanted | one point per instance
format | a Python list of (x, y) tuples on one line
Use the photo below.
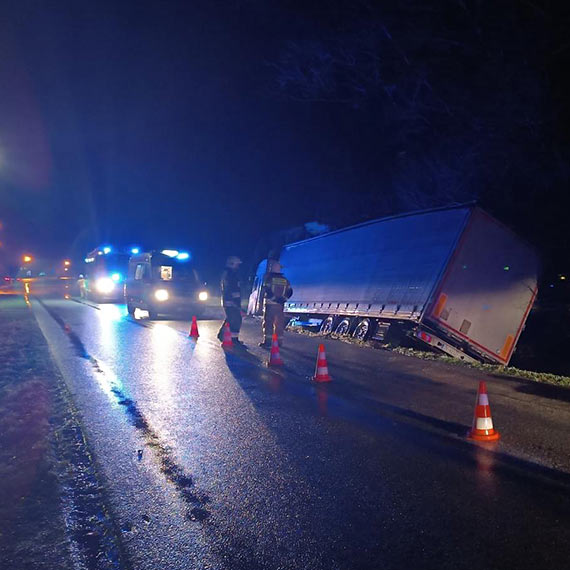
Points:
[(233, 316), (273, 321)]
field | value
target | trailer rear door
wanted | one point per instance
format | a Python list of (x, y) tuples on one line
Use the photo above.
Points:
[(488, 288)]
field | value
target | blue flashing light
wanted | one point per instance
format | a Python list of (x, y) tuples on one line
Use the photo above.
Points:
[(135, 250), (106, 250), (183, 256), (116, 277)]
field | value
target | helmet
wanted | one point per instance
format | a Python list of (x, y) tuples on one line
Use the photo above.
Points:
[(233, 262)]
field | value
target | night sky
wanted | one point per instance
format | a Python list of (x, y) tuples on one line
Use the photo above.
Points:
[(167, 124)]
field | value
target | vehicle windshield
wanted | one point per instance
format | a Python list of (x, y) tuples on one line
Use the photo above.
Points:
[(110, 263), (115, 262), (170, 269)]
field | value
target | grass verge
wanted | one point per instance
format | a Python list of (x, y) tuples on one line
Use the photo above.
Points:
[(543, 377), (31, 526)]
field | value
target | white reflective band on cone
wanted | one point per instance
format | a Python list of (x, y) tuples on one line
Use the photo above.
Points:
[(483, 400), (321, 370), (484, 423)]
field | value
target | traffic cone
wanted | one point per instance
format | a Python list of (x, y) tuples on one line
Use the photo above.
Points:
[(194, 329), (322, 369), (482, 428), (227, 342), (274, 356)]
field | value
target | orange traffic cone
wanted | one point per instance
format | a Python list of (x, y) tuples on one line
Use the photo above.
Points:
[(274, 356), (194, 329), (482, 428), (322, 369), (227, 342)]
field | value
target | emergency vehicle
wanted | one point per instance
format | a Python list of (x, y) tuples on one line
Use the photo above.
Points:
[(104, 274), (164, 282)]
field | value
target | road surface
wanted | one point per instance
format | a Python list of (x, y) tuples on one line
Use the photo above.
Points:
[(211, 460)]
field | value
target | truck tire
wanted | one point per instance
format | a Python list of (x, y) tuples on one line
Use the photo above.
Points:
[(131, 309), (362, 330), (327, 325), (343, 327)]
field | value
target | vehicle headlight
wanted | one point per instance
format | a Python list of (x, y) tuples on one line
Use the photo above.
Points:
[(161, 295), (104, 285), (203, 295)]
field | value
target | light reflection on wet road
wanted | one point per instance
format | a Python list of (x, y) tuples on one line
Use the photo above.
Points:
[(268, 470)]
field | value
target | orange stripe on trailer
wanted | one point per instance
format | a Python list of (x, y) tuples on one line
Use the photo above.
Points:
[(507, 346), (440, 305)]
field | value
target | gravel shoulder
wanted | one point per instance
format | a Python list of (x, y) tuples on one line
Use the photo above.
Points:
[(52, 506)]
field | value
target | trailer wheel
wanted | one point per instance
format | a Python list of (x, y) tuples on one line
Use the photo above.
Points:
[(362, 329), (327, 325), (343, 327)]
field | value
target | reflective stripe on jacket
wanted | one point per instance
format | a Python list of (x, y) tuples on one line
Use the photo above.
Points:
[(276, 288)]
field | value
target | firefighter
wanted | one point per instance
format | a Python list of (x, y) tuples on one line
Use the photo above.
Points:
[(231, 298), (275, 290)]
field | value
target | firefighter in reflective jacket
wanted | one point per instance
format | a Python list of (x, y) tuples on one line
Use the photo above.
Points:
[(231, 298), (276, 289)]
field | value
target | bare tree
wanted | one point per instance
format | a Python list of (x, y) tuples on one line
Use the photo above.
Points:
[(451, 92)]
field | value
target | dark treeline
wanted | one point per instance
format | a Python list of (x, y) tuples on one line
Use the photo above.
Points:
[(438, 103)]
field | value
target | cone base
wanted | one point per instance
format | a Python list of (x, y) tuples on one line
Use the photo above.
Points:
[(472, 434), (275, 363), (321, 378), (194, 336), (227, 344)]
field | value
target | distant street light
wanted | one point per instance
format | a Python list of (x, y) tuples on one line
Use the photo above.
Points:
[(67, 263), (27, 258)]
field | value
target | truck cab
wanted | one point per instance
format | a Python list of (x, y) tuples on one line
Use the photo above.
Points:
[(255, 302)]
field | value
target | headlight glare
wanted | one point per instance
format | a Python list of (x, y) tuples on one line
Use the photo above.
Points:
[(161, 295), (104, 285), (203, 295)]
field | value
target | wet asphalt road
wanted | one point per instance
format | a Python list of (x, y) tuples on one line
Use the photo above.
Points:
[(244, 467)]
